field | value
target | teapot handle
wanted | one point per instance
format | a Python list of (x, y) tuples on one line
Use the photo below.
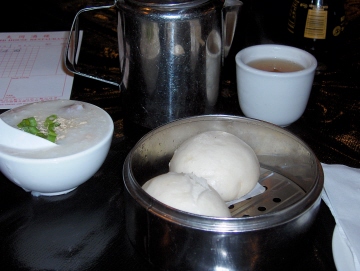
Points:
[(230, 14), (70, 54)]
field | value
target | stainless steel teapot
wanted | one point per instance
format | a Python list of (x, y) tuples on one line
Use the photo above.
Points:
[(171, 53)]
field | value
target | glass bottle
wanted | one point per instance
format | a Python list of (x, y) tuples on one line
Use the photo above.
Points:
[(317, 26)]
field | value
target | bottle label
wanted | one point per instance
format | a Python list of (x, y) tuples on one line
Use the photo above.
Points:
[(316, 22)]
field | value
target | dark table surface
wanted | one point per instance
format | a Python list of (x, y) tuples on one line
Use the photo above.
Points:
[(84, 230)]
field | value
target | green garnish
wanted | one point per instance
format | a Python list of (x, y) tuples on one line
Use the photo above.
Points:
[(30, 125)]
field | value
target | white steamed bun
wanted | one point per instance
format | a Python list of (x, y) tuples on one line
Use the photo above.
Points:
[(188, 193), (228, 164)]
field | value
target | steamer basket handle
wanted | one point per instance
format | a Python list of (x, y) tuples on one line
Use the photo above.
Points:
[(70, 54)]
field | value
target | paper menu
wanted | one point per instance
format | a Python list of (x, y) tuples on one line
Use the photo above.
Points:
[(32, 68)]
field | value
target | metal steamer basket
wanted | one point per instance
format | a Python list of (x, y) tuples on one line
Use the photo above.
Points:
[(259, 227)]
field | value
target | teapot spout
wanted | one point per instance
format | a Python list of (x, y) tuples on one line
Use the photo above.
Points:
[(230, 13)]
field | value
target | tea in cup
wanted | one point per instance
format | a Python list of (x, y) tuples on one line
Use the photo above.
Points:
[(274, 82)]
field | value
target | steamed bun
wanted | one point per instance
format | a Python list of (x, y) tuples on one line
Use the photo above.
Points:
[(188, 193), (228, 164)]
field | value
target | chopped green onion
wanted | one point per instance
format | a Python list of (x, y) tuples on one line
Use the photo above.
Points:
[(42, 135), (30, 125), (50, 120), (33, 130), (51, 138), (52, 126), (52, 133), (33, 122)]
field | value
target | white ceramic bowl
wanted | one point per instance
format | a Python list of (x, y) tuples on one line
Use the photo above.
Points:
[(42, 174)]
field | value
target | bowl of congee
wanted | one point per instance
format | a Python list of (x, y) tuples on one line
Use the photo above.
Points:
[(77, 137)]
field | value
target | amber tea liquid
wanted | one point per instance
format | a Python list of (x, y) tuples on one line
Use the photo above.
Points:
[(275, 65)]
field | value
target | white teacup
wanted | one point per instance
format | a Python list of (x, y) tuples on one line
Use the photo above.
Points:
[(276, 97)]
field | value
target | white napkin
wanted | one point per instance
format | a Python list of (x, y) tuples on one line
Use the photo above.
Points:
[(342, 195)]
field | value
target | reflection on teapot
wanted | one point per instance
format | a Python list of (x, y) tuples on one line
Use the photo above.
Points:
[(213, 61), (150, 51)]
